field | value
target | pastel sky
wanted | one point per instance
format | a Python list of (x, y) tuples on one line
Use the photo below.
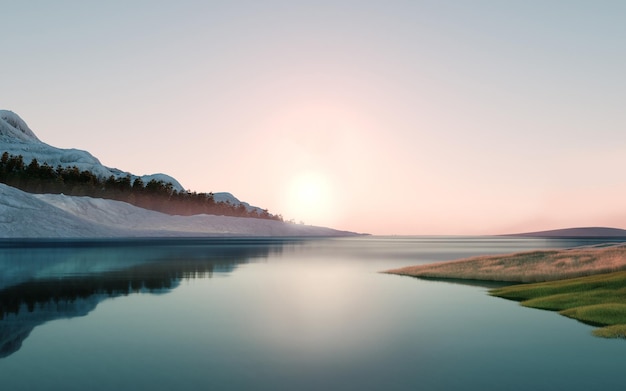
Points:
[(386, 117)]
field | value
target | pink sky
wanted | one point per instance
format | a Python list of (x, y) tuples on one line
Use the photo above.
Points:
[(383, 117)]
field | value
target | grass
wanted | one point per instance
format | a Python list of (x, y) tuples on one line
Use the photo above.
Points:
[(616, 331), (527, 267), (584, 283), (598, 300)]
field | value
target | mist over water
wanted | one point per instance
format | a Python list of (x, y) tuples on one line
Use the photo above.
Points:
[(279, 314)]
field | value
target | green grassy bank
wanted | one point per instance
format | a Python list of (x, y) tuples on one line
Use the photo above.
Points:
[(598, 300)]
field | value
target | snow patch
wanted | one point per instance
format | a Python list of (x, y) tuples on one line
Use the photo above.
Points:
[(11, 125), (25, 215)]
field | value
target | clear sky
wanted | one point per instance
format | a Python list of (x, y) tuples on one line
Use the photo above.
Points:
[(387, 117)]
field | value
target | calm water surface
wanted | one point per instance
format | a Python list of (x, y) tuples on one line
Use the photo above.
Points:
[(280, 315)]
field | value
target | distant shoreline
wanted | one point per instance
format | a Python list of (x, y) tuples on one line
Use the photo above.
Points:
[(153, 241), (575, 233)]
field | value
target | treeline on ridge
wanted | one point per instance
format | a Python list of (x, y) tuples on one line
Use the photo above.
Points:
[(154, 195)]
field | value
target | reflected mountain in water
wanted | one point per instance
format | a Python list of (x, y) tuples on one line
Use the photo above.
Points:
[(42, 281)]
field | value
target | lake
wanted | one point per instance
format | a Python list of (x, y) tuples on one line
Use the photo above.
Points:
[(280, 314)]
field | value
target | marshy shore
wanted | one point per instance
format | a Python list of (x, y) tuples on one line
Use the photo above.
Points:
[(585, 283)]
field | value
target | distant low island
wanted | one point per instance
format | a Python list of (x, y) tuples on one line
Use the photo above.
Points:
[(580, 232), (585, 283)]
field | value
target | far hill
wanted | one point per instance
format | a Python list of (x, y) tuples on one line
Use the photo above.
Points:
[(581, 232)]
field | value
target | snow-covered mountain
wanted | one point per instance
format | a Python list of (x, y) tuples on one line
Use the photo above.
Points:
[(18, 139), (26, 215)]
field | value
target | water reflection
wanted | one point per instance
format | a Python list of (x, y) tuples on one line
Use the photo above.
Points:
[(309, 315), (42, 281)]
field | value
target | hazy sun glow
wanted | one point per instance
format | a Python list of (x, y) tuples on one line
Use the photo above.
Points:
[(309, 198), (420, 117)]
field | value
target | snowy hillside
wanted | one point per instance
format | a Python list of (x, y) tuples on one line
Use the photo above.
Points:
[(18, 139), (25, 215)]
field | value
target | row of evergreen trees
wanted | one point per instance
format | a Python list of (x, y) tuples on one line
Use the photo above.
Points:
[(154, 195)]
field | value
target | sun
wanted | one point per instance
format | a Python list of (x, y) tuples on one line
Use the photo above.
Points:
[(309, 198)]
